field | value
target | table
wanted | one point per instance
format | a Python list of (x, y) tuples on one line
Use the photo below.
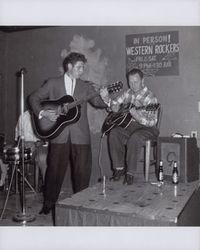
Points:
[(140, 204)]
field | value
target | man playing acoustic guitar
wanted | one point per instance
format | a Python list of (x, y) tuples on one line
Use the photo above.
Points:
[(73, 141), (126, 140)]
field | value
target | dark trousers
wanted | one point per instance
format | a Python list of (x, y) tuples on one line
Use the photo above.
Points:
[(58, 161), (125, 145)]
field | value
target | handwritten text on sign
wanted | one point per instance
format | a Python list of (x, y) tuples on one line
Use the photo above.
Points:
[(154, 53)]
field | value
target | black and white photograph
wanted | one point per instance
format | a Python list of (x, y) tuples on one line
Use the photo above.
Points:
[(99, 131)]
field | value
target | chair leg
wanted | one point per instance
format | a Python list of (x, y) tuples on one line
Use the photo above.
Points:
[(147, 159)]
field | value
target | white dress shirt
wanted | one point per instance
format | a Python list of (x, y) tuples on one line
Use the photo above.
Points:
[(69, 84)]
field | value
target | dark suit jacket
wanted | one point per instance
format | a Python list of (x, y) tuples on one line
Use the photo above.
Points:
[(54, 89)]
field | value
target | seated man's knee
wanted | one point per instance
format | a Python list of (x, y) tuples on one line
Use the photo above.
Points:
[(136, 138)]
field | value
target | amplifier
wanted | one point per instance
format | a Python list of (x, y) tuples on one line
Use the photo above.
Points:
[(182, 150)]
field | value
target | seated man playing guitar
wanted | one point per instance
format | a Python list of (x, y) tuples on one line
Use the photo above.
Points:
[(71, 140), (135, 116)]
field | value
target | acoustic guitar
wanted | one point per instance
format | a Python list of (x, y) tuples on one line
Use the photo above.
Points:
[(68, 110), (123, 117)]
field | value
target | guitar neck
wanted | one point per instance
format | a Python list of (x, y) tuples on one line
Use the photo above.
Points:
[(149, 107)]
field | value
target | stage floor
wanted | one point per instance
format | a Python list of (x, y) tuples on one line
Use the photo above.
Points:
[(140, 204)]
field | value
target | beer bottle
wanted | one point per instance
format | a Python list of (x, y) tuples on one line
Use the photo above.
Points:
[(160, 172), (175, 173)]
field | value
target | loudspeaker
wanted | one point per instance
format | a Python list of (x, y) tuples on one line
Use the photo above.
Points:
[(182, 150)]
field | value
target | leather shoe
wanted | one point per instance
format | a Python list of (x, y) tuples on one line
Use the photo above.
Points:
[(46, 210), (128, 179), (117, 174)]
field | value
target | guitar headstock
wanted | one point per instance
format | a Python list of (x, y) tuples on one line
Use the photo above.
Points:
[(115, 87), (152, 107)]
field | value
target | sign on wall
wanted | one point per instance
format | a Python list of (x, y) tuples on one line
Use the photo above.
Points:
[(153, 53)]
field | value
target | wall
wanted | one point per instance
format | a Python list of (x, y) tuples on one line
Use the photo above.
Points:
[(2, 80), (39, 51)]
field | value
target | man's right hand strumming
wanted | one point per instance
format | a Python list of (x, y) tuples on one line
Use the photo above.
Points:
[(50, 114)]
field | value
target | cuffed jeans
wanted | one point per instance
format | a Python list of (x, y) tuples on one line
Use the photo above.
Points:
[(125, 145)]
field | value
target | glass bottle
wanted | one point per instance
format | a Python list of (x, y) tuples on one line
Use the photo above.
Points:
[(175, 177), (160, 172)]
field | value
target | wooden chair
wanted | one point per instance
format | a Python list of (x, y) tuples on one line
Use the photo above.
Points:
[(150, 148)]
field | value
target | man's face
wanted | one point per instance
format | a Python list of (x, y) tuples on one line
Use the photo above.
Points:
[(76, 70), (135, 82)]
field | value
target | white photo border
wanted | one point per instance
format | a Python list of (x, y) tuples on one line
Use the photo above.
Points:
[(104, 12)]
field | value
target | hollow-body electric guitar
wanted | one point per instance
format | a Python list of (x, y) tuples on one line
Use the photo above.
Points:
[(123, 117), (68, 110)]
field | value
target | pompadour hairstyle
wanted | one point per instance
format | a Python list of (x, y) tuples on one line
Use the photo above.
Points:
[(72, 58)]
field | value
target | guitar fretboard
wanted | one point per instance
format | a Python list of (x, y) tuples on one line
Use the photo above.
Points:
[(149, 107)]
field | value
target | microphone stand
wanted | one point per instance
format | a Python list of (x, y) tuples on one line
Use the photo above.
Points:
[(23, 216)]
